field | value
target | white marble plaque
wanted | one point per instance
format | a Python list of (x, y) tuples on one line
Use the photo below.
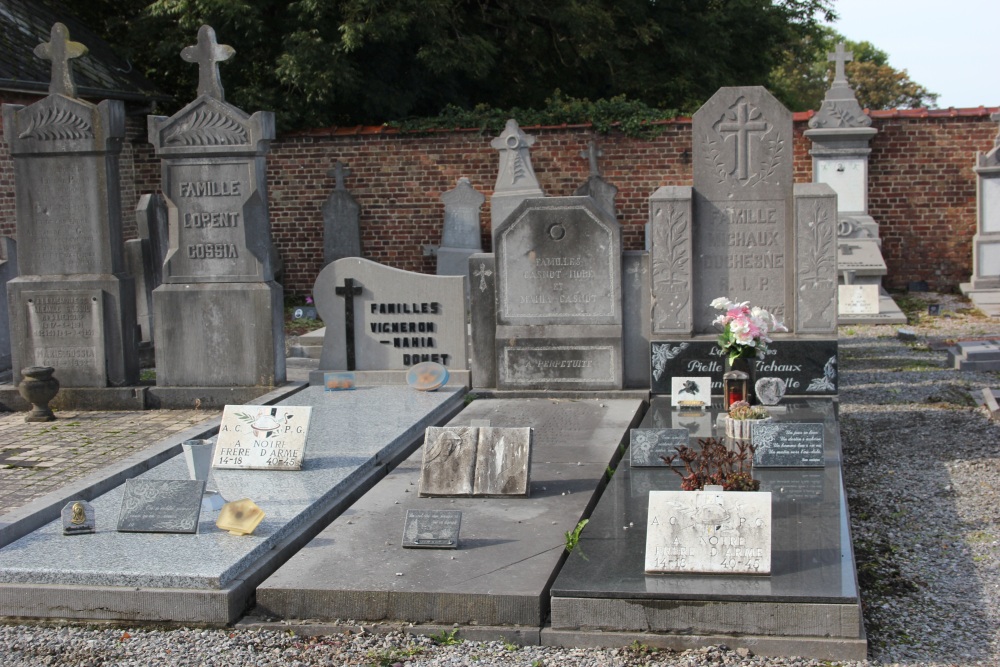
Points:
[(858, 300), (710, 532), (847, 178), (989, 259), (262, 437), (989, 212)]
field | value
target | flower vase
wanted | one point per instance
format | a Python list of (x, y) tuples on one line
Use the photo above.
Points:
[(38, 386), (748, 365)]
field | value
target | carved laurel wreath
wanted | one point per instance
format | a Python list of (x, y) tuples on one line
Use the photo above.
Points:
[(51, 124), (207, 128)]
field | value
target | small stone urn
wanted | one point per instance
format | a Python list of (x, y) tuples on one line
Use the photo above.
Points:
[(38, 387)]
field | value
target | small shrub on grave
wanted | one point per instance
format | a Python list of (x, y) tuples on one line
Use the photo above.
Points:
[(714, 463)]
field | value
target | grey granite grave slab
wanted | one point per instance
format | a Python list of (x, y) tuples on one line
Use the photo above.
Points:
[(510, 548), (341, 219), (635, 318), (394, 319), (209, 577), (516, 180), (811, 593), (982, 355)]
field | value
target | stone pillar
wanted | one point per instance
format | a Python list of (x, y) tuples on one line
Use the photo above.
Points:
[(218, 314), (73, 306)]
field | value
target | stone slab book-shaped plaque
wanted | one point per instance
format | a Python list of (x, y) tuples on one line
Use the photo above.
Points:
[(647, 445), (708, 532), (808, 367), (66, 332), (432, 529), (788, 445), (262, 437), (476, 461), (161, 506)]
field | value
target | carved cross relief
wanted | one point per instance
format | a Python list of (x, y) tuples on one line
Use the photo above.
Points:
[(208, 53), (746, 123), (60, 50)]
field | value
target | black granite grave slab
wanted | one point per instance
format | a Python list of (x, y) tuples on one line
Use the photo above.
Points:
[(808, 367)]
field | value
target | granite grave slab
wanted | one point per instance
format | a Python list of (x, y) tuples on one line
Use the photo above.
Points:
[(210, 577), (510, 547)]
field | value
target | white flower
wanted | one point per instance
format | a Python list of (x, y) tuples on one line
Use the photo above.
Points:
[(722, 303)]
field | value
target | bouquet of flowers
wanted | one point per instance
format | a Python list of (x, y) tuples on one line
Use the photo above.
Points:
[(744, 329)]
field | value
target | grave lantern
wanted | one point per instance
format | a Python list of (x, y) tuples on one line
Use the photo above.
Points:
[(735, 387)]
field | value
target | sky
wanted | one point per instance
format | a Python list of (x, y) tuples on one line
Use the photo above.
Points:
[(948, 46)]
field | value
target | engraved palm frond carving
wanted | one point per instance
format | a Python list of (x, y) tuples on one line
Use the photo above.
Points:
[(671, 267), (818, 259), (51, 124), (207, 128)]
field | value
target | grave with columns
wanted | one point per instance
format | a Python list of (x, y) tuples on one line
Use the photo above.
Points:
[(984, 285)]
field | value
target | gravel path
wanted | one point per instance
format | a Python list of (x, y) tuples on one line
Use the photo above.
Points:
[(922, 468)]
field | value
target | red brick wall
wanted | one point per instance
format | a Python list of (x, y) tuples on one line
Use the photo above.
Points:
[(922, 190)]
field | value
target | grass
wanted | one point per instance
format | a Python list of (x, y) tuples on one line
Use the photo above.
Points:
[(573, 536), (446, 638), (390, 656)]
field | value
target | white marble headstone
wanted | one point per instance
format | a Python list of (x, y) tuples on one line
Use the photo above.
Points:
[(262, 437)]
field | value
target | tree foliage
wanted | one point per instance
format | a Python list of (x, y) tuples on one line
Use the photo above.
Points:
[(323, 62), (802, 79)]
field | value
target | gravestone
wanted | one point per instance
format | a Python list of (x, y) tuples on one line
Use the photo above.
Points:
[(379, 318), (841, 133), (460, 238), (984, 285), (73, 306), (559, 297), (598, 189), (341, 219), (743, 231), (254, 437), (8, 271), (516, 179), (144, 257), (218, 316)]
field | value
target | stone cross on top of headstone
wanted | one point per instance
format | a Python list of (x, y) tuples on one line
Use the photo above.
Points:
[(840, 57), (208, 53), (60, 50), (339, 173), (591, 154), (515, 162)]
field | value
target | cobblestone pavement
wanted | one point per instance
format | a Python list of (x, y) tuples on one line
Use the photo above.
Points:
[(38, 458)]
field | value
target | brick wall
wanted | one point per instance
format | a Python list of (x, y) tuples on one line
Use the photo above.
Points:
[(922, 190)]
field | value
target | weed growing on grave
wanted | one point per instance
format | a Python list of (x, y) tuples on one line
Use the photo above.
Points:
[(509, 646), (610, 472), (447, 638), (390, 656), (147, 375), (715, 463), (573, 536)]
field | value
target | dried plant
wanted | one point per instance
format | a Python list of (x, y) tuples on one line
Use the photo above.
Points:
[(715, 463)]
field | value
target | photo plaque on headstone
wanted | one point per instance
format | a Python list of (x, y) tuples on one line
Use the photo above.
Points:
[(788, 445), (161, 506), (647, 445), (431, 529), (262, 437), (78, 518)]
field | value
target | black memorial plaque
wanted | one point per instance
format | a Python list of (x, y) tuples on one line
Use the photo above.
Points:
[(431, 529), (808, 367), (647, 445), (161, 506), (788, 445)]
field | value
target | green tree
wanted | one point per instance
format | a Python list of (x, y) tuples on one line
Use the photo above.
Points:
[(803, 77), (319, 62)]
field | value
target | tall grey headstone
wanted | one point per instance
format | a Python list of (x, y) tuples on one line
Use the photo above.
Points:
[(341, 219), (984, 285), (516, 180), (8, 271), (73, 305), (739, 232), (144, 258), (598, 189), (218, 314), (841, 133), (461, 237), (559, 297)]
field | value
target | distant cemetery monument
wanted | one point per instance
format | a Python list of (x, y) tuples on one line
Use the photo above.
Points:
[(984, 285), (516, 180), (460, 237), (841, 133), (341, 221), (218, 314), (73, 305)]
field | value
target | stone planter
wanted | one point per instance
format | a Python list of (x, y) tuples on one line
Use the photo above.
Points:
[(38, 387), (742, 429)]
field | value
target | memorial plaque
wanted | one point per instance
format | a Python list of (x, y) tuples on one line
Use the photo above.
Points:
[(79, 518), (647, 445), (788, 445), (858, 299), (161, 506), (66, 332), (848, 178), (431, 529), (503, 462), (262, 437), (449, 461), (690, 392), (560, 366), (808, 367), (708, 532)]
